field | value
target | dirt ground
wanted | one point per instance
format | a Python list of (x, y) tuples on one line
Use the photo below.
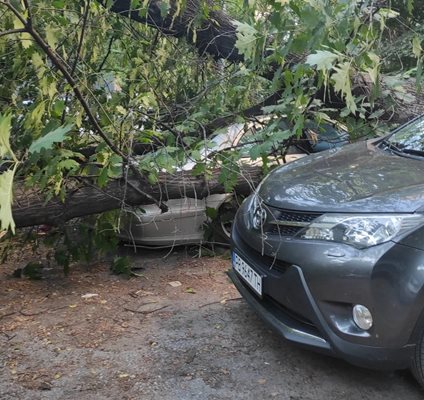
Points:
[(145, 339)]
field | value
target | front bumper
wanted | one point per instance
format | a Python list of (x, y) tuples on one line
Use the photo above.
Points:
[(294, 331), (289, 306)]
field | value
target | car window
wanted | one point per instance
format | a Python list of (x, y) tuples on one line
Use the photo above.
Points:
[(255, 135), (225, 139), (248, 140), (409, 137)]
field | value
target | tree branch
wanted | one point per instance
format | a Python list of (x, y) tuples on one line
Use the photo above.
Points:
[(109, 49), (78, 54), (59, 64), (12, 32)]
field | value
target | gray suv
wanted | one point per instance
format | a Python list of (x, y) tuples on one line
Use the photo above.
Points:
[(330, 251)]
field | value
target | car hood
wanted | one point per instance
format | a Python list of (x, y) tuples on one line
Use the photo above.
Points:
[(356, 178)]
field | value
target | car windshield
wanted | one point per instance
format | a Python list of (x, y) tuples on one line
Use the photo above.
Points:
[(409, 139)]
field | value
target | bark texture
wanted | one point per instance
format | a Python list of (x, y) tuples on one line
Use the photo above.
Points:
[(216, 35), (31, 209)]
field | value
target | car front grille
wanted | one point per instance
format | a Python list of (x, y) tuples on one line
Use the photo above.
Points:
[(268, 262), (289, 223)]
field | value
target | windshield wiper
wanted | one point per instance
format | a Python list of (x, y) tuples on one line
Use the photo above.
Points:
[(391, 146), (414, 152), (402, 152)]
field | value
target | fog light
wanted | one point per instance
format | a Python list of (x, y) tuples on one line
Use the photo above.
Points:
[(362, 317)]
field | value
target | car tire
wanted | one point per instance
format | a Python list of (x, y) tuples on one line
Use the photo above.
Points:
[(225, 228), (222, 225), (417, 367)]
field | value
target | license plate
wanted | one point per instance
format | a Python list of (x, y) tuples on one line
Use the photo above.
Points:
[(252, 278)]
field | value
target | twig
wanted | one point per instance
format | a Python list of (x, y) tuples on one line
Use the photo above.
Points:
[(28, 314), (58, 308), (7, 314), (8, 337), (12, 31), (145, 312), (78, 54), (138, 190), (220, 302), (109, 49), (28, 8), (81, 41)]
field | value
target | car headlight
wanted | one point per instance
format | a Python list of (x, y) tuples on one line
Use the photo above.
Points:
[(361, 230), (257, 214)]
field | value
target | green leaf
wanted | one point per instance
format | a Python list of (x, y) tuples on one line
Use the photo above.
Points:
[(59, 3), (410, 6), (164, 8), (25, 37), (103, 177), (68, 165), (38, 63), (51, 36), (388, 13), (5, 125), (416, 46), (121, 266), (211, 212), (323, 59), (47, 141), (228, 177), (373, 70), (341, 80), (37, 113), (246, 39), (58, 108), (6, 198)]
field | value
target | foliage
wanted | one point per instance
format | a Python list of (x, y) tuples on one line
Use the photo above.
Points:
[(7, 176), (137, 85), (121, 266), (47, 141)]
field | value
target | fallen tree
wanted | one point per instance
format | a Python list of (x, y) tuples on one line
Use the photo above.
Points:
[(86, 198), (321, 76)]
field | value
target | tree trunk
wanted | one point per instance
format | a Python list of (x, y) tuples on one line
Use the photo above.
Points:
[(216, 35), (31, 209)]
